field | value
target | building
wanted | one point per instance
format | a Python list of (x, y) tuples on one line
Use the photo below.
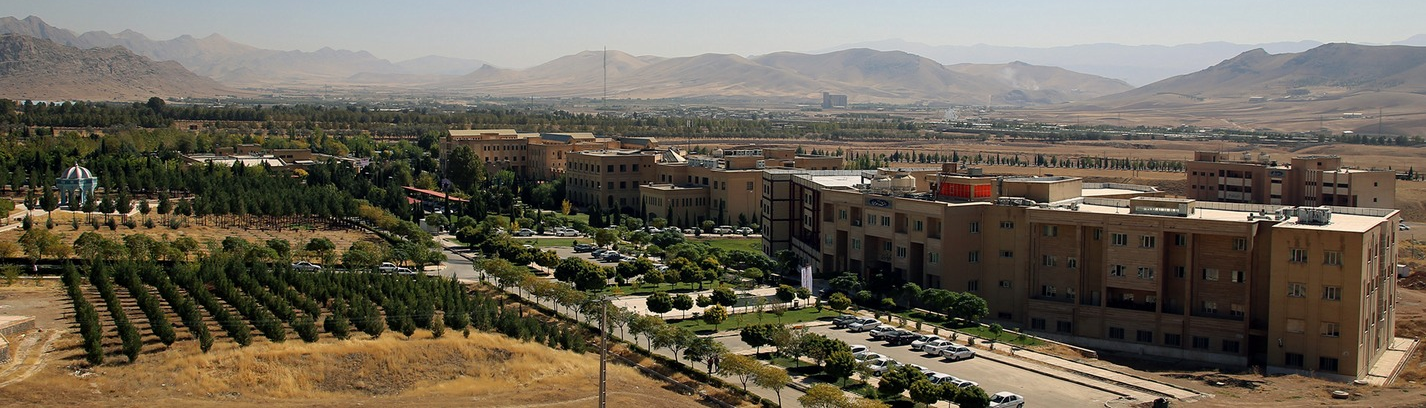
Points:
[(499, 149), (1307, 180), (1306, 290), (76, 185), (830, 101), (724, 187), (609, 179)]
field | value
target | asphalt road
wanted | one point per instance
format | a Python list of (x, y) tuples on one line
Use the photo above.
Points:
[(1038, 389)]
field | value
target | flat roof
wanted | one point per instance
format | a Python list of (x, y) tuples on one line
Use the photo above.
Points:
[(1341, 220), (834, 180), (1100, 192)]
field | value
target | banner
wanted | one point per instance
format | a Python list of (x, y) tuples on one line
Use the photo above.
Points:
[(806, 276)]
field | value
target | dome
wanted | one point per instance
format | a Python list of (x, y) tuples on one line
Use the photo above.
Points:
[(77, 173)]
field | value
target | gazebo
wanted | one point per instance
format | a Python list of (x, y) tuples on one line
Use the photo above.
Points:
[(76, 180)]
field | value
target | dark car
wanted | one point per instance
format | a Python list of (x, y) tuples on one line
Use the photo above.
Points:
[(584, 247), (843, 320), (902, 338)]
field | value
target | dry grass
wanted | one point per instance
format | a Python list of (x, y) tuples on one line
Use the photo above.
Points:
[(484, 370), (202, 229)]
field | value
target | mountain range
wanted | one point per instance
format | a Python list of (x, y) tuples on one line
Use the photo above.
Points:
[(38, 69)]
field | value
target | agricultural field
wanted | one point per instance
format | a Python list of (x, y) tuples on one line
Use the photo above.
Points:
[(215, 228), (226, 332)]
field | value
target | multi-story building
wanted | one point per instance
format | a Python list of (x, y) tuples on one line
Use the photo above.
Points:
[(1295, 289), (723, 187), (609, 179), (1307, 180), (499, 149)]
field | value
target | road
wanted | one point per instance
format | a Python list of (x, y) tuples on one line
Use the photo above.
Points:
[(1038, 389)]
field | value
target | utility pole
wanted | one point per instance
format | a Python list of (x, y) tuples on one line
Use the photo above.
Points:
[(603, 353)]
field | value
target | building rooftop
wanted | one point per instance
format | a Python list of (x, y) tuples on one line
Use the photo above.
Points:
[(674, 187), (1114, 189)]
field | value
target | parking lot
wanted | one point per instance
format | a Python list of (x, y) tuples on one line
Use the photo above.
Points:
[(1038, 389)]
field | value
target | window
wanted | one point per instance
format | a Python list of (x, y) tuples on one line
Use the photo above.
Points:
[(1007, 254), (841, 214), (934, 257), (1178, 271), (1296, 289), (856, 243), (1296, 326), (1148, 241), (1292, 360), (1006, 284), (1327, 363), (870, 220), (1330, 329), (885, 221), (1200, 342), (1051, 230), (1007, 224), (750, 186), (1119, 239), (1172, 339), (1037, 324), (973, 285), (1180, 239), (1210, 307), (1048, 291), (1047, 260), (975, 227), (1240, 244), (1298, 255), (1332, 292), (1236, 310), (1064, 326), (974, 257), (1210, 274), (1332, 258), (918, 225), (901, 252), (1072, 262), (1146, 273), (886, 245), (1144, 336), (1097, 233), (1069, 293), (1116, 270), (1116, 333), (1238, 276), (1230, 346)]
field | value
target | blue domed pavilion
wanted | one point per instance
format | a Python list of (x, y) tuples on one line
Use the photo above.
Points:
[(76, 185)]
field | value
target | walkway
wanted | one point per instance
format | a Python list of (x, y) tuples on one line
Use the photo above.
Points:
[(1389, 365)]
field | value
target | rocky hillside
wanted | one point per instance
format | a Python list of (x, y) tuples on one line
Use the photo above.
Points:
[(38, 69)]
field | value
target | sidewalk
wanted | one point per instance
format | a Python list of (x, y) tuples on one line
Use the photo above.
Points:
[(1390, 363)]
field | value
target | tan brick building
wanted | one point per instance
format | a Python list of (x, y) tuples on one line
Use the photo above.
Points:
[(609, 179), (1294, 289), (729, 179), (1307, 180)]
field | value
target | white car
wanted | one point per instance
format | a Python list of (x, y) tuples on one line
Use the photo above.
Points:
[(723, 229), (306, 266), (964, 383), (877, 333), (918, 344), (1006, 399), (863, 325), (939, 378), (881, 366), (934, 348), (388, 267), (868, 356), (745, 230), (857, 348), (957, 353), (566, 232), (525, 232)]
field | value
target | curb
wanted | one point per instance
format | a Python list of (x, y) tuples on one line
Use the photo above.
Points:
[(1077, 379)]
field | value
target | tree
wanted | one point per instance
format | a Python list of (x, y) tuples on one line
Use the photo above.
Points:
[(714, 315), (363, 255), (773, 378), (673, 338), (821, 347), (590, 278), (725, 297), (706, 350), (282, 247), (923, 391), (683, 302), (659, 303), (321, 246), (823, 396), (647, 326), (967, 306), (841, 365), (969, 397), (605, 237), (785, 293), (838, 301), (898, 379), (756, 336), (740, 366), (803, 293), (38, 243)]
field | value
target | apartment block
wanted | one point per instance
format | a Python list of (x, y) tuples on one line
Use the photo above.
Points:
[(1295, 289), (609, 179), (724, 187), (1306, 180)]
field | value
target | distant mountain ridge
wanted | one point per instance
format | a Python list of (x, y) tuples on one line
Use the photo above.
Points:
[(238, 64), (39, 69), (862, 74)]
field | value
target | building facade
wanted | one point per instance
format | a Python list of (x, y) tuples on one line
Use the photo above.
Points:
[(1294, 289), (1307, 180)]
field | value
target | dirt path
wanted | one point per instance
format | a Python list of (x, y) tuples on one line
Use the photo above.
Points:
[(31, 355)]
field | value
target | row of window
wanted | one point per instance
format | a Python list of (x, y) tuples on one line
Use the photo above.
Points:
[(609, 168), (1299, 255), (1299, 290)]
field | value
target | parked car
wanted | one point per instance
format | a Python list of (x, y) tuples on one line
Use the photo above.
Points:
[(1006, 399), (525, 232), (858, 348), (612, 256), (877, 333), (902, 339), (918, 344), (598, 253), (869, 356), (922, 369), (957, 353), (1403, 227), (567, 232), (584, 248), (934, 348), (388, 267), (881, 366), (940, 378), (306, 266), (843, 320), (745, 230), (964, 383), (864, 324), (688, 231), (723, 229)]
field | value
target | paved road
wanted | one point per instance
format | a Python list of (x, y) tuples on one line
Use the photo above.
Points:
[(1038, 389)]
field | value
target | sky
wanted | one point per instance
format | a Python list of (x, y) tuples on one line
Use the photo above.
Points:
[(522, 33)]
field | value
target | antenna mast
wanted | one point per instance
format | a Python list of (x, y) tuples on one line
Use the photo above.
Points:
[(605, 100)]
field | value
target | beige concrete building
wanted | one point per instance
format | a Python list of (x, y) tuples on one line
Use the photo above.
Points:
[(609, 179), (499, 149), (729, 179), (1295, 289), (1307, 180)]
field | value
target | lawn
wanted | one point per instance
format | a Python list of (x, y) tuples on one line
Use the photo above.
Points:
[(983, 332), (649, 289), (549, 242), (738, 321)]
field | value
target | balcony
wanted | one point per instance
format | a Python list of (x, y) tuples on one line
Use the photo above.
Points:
[(1216, 315), (856, 222), (1140, 306)]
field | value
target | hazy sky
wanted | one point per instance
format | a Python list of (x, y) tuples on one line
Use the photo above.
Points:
[(519, 33)]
